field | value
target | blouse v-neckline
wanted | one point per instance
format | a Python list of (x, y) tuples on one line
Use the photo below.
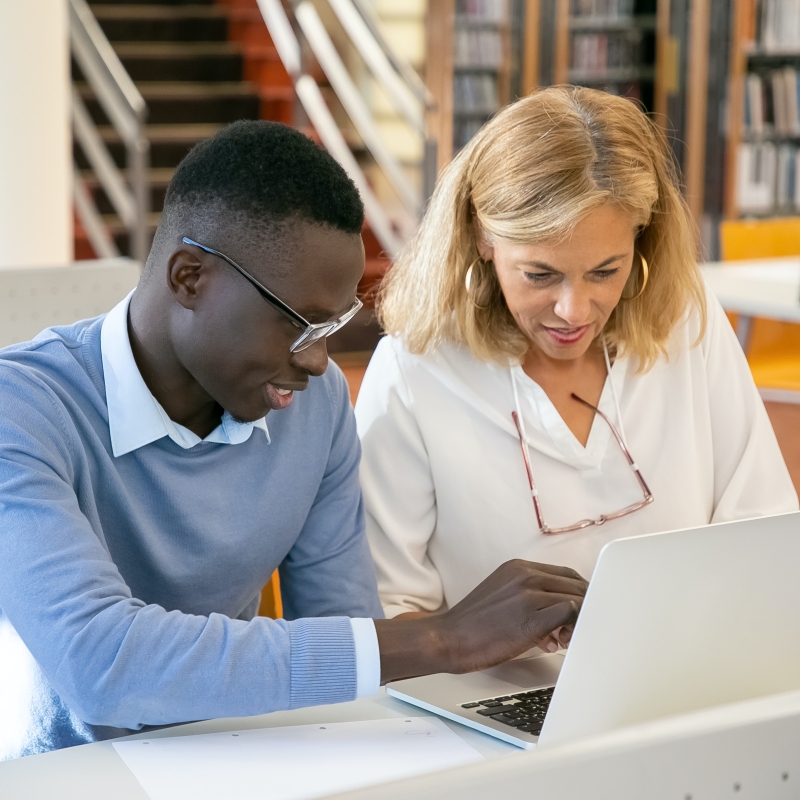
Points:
[(548, 419)]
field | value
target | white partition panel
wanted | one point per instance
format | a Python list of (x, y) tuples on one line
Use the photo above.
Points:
[(35, 298), (744, 750), (35, 141)]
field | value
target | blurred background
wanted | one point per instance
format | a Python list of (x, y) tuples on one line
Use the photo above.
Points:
[(99, 101)]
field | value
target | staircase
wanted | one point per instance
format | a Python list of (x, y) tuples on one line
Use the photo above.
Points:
[(199, 65)]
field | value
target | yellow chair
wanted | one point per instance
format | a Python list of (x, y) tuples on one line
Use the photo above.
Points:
[(774, 348), (271, 603)]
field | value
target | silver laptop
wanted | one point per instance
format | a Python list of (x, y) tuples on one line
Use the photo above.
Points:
[(672, 622)]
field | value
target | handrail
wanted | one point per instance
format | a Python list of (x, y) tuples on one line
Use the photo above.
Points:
[(348, 94), (403, 87), (375, 56), (400, 65), (99, 238), (98, 156), (313, 102), (127, 111), (399, 80), (90, 48)]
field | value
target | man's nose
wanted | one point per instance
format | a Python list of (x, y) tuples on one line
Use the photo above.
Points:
[(314, 359), (573, 305)]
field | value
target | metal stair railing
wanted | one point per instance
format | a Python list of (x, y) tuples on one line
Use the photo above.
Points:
[(126, 109), (408, 95)]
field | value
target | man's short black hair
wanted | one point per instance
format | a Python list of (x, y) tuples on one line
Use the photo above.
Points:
[(270, 173)]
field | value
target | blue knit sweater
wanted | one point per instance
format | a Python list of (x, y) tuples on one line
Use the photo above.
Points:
[(133, 581)]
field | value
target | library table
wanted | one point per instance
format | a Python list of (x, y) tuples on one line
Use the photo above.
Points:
[(768, 288), (96, 772)]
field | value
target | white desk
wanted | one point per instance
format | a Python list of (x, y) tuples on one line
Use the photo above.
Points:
[(766, 288), (96, 772)]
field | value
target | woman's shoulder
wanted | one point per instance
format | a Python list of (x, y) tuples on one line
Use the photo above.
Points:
[(445, 358), (701, 331), (447, 372)]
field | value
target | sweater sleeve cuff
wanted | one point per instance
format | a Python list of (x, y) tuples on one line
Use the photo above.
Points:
[(368, 657), (323, 661)]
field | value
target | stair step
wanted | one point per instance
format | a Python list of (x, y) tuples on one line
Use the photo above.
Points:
[(147, 22), (116, 227), (168, 143), (181, 61), (164, 2), (158, 181), (118, 231), (171, 103)]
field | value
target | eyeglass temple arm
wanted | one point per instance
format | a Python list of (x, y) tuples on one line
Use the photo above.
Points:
[(529, 470), (645, 488), (274, 299)]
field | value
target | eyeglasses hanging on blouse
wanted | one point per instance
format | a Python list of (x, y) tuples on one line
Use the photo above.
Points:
[(584, 523)]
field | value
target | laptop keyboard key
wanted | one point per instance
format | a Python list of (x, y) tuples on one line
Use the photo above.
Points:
[(534, 729), (514, 723), (498, 709), (470, 705)]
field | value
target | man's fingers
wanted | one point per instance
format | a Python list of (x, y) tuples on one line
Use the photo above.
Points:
[(564, 635), (555, 569), (551, 643), (560, 585), (548, 619)]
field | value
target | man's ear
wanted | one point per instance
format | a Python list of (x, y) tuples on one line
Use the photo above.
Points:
[(184, 274)]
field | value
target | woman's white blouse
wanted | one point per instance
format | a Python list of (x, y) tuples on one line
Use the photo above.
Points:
[(446, 494)]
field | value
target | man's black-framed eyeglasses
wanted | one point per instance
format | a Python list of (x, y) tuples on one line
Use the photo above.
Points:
[(312, 332)]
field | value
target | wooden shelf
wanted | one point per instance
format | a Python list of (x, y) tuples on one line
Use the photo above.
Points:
[(472, 24), (613, 75), (642, 22), (773, 54), (749, 137)]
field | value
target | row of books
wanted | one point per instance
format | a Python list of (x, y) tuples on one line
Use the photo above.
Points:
[(597, 52), (630, 89), (778, 25), (601, 8), (772, 103), (767, 178), (474, 94), (478, 49), (495, 11), (464, 130)]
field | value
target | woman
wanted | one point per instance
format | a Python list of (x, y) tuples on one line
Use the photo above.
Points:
[(555, 376)]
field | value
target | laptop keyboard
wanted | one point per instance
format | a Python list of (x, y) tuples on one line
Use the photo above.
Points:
[(524, 711)]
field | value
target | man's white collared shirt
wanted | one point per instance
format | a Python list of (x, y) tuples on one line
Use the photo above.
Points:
[(135, 417)]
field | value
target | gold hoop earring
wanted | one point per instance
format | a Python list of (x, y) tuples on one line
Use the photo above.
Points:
[(468, 284), (645, 276)]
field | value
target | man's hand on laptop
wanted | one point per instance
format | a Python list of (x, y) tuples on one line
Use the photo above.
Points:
[(520, 605)]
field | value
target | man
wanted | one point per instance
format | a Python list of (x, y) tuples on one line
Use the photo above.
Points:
[(147, 494)]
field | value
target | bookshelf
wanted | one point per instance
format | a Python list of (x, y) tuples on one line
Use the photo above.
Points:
[(658, 52), (483, 53), (608, 45), (481, 64), (763, 158)]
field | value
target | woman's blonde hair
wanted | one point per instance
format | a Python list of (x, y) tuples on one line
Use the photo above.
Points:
[(528, 176)]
